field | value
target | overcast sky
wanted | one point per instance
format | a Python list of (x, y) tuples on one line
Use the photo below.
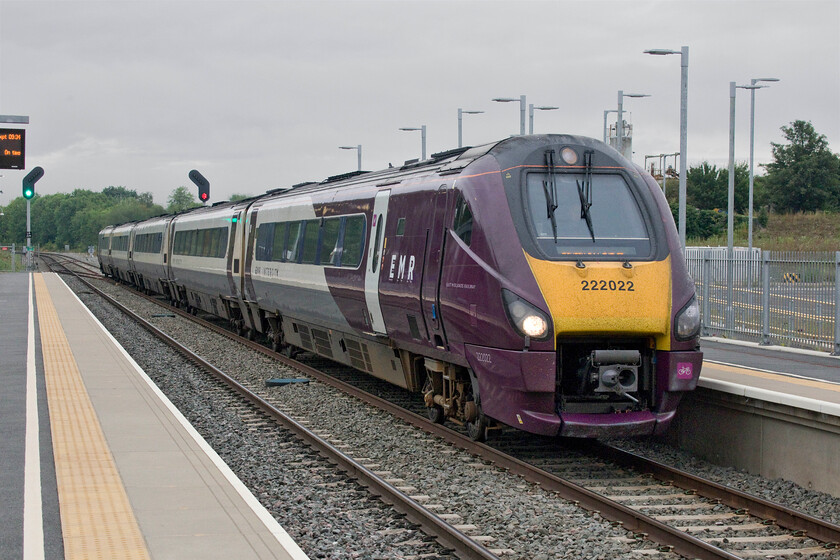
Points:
[(259, 95)]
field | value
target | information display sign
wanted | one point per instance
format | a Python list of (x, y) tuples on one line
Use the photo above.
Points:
[(12, 148)]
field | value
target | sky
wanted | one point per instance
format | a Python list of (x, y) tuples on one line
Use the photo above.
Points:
[(260, 95)]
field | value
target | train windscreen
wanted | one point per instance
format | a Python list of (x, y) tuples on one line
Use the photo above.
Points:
[(575, 216)]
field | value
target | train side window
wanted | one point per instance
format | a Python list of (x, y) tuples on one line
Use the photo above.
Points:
[(330, 251), (212, 248), (277, 242), (463, 220), (310, 241), (400, 227), (353, 243), (265, 234), (293, 241)]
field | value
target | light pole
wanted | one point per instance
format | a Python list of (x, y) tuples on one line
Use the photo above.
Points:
[(730, 207), (606, 132), (752, 151), (422, 130), (358, 149), (531, 109), (619, 141), (521, 110), (460, 127), (683, 129)]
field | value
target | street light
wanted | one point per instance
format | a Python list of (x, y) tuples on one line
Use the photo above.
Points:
[(752, 151), (358, 149), (422, 130), (521, 110), (531, 109), (683, 129), (730, 207), (619, 141), (460, 129), (605, 122)]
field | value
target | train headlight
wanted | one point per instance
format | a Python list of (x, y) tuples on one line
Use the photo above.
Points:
[(525, 317), (687, 321)]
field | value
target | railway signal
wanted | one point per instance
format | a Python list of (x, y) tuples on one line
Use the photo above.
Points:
[(30, 180), (202, 184)]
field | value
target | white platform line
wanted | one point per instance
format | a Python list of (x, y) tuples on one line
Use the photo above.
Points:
[(33, 513)]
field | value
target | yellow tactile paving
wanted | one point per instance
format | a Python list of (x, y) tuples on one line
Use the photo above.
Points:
[(772, 376), (96, 518)]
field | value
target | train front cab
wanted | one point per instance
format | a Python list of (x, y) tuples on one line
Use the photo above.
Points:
[(608, 327)]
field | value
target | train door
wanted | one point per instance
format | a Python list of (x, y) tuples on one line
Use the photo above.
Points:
[(430, 284), (374, 261)]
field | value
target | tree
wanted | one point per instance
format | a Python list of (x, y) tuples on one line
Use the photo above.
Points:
[(238, 197), (804, 175), (181, 199), (707, 187)]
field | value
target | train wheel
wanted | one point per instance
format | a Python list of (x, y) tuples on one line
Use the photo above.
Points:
[(435, 414), (478, 430)]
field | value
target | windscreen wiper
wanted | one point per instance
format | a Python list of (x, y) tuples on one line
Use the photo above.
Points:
[(550, 189), (585, 193)]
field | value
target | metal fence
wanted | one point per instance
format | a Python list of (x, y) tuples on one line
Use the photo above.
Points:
[(769, 297)]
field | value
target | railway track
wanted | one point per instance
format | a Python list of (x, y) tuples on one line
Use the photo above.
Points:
[(677, 511)]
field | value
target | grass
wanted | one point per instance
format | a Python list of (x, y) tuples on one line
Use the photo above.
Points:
[(786, 232)]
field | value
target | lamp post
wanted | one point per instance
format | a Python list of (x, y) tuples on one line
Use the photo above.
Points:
[(683, 129), (521, 110), (730, 207), (605, 122), (422, 130), (460, 127), (358, 149), (531, 109), (619, 141), (752, 151)]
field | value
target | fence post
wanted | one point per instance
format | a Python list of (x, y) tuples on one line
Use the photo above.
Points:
[(706, 307), (836, 351), (13, 257), (765, 298)]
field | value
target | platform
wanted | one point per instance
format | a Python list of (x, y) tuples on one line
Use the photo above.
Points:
[(96, 462), (771, 411), (799, 378)]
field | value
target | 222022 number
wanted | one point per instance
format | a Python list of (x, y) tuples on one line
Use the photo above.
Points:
[(605, 285)]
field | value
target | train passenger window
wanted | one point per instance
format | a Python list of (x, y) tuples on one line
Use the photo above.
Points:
[(212, 247), (224, 237), (293, 241), (463, 220), (353, 242), (265, 233), (330, 251), (195, 243), (310, 241), (277, 242)]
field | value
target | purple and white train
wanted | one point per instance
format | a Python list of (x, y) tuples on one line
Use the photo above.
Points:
[(536, 282)]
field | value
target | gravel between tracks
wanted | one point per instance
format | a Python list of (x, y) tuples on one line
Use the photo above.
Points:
[(331, 518)]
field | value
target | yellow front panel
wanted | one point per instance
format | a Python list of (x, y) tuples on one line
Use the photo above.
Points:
[(606, 298)]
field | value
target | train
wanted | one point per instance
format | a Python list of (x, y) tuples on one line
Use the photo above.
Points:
[(536, 282)]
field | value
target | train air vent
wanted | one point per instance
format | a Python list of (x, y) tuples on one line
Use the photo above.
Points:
[(322, 343), (359, 356), (305, 339)]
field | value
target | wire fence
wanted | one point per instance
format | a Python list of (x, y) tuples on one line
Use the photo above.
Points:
[(770, 297)]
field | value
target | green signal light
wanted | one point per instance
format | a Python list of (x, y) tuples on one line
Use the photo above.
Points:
[(28, 193)]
